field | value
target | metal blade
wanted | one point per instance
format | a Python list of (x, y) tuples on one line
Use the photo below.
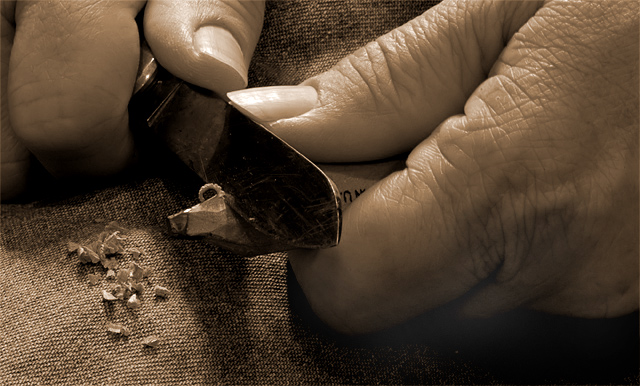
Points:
[(281, 199)]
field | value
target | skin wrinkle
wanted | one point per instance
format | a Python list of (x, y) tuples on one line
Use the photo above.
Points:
[(488, 258), (456, 141), (524, 85), (501, 225), (500, 238), (587, 21), (358, 76), (350, 70), (507, 99), (534, 236), (416, 50), (485, 213), (399, 75), (427, 62), (556, 200), (460, 43), (61, 93), (543, 64), (476, 236), (515, 254), (380, 76), (587, 41), (480, 242), (426, 46), (500, 149), (483, 37), (413, 196), (63, 30), (467, 73)]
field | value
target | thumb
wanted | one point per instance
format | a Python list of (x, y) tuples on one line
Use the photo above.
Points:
[(206, 42), (385, 98)]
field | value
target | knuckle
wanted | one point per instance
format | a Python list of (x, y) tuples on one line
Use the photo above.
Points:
[(244, 18), (390, 70), (510, 200)]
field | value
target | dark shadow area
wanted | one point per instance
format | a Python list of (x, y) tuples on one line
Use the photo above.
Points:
[(517, 347)]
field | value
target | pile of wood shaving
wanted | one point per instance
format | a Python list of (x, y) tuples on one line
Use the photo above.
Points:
[(128, 284)]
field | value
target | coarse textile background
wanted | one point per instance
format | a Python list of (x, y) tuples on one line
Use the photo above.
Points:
[(239, 320)]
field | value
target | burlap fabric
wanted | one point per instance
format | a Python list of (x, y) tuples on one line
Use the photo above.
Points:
[(244, 320)]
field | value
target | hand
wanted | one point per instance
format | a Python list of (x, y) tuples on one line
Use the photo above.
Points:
[(522, 186), (69, 66)]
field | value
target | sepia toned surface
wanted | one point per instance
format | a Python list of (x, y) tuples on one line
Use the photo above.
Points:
[(244, 320)]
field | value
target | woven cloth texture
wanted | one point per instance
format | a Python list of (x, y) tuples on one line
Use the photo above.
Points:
[(235, 320)]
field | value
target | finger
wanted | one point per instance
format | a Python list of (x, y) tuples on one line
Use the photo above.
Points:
[(206, 42), (15, 157), (71, 75), (387, 97)]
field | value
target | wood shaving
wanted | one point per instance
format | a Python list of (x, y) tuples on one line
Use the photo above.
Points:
[(105, 249), (123, 275), (151, 341), (113, 327), (118, 329), (119, 291), (209, 187), (82, 255), (133, 302), (88, 255), (137, 287), (108, 296), (96, 247), (108, 242), (73, 247), (93, 279), (137, 272), (109, 263), (112, 243), (115, 226), (135, 253), (161, 291)]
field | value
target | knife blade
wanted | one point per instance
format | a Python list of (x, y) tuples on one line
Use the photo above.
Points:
[(267, 196)]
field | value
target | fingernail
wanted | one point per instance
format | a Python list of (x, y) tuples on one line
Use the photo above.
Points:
[(220, 44), (268, 104)]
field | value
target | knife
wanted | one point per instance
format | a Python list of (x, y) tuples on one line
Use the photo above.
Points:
[(259, 194)]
